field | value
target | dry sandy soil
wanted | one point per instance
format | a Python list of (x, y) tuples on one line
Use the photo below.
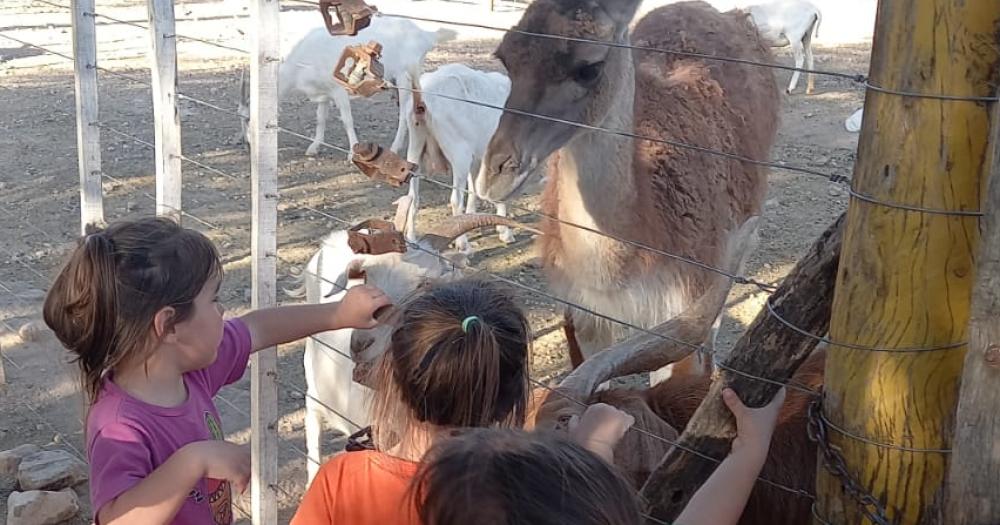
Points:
[(39, 207)]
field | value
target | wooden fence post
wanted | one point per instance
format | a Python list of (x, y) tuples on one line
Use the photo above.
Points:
[(167, 120), (906, 276), (264, 60), (973, 495), (88, 135)]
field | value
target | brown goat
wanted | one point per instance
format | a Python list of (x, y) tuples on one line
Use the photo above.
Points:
[(669, 406)]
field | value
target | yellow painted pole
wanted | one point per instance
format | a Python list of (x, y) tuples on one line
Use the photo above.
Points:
[(905, 276)]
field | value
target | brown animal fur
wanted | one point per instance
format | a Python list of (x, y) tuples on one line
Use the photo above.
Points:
[(685, 200), (671, 404)]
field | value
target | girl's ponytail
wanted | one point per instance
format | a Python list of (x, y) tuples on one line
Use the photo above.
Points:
[(82, 308)]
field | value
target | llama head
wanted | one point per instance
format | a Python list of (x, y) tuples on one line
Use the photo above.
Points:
[(560, 79)]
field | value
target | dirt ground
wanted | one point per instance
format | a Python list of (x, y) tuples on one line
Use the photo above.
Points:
[(39, 190)]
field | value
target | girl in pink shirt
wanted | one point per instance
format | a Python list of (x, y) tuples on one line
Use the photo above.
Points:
[(137, 305)]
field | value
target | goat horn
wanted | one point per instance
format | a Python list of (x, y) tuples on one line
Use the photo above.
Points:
[(669, 342), (673, 341), (454, 227)]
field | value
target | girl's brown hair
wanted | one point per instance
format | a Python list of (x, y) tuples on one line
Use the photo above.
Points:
[(458, 357), (508, 477), (102, 304)]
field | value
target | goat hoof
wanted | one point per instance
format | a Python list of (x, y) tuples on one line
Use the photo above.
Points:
[(312, 151), (788, 91)]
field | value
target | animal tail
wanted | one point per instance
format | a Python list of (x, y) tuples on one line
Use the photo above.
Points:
[(819, 18)]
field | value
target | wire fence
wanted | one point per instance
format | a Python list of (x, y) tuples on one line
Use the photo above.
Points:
[(858, 79)]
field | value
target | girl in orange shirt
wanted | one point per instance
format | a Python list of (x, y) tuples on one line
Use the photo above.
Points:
[(457, 358)]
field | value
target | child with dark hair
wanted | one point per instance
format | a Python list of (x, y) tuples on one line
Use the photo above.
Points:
[(508, 477), (457, 358), (503, 477), (136, 303)]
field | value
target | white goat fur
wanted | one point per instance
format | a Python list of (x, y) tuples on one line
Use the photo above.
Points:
[(790, 22), (308, 69), (452, 136), (329, 372)]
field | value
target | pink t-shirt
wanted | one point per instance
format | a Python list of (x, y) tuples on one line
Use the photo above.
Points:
[(128, 438)]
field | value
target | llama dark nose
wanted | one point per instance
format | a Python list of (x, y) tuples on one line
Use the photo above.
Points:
[(501, 168)]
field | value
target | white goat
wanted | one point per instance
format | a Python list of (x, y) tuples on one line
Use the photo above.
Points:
[(309, 67), (448, 135), (330, 357), (790, 22)]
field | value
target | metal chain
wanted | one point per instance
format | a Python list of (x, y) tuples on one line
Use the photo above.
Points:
[(834, 462)]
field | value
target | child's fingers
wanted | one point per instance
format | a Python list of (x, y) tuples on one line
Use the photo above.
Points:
[(733, 403)]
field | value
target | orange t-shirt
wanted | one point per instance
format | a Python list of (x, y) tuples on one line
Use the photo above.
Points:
[(360, 488)]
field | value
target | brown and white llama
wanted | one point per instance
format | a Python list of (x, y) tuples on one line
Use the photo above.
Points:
[(678, 200)]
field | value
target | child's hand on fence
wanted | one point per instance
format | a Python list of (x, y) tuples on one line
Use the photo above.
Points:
[(600, 428), (225, 461), (754, 426), (357, 308)]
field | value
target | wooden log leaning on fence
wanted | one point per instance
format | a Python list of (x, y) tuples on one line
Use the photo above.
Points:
[(767, 349), (973, 493), (906, 275)]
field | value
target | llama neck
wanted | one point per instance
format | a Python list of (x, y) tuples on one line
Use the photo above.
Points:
[(596, 181)]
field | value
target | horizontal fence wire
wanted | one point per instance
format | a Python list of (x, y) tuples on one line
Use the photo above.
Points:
[(771, 311), (312, 398), (183, 158), (522, 286), (550, 389), (910, 207), (333, 217), (146, 27), (869, 441), (832, 177), (58, 432), (859, 79)]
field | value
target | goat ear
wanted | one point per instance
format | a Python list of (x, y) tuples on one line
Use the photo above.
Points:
[(354, 270)]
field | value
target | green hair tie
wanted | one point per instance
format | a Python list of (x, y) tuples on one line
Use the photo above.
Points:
[(469, 320)]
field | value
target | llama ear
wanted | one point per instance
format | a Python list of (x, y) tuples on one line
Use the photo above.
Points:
[(621, 12)]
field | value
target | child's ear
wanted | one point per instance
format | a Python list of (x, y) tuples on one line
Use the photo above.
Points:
[(163, 323)]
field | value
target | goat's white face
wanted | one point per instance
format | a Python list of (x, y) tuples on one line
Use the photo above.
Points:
[(398, 275)]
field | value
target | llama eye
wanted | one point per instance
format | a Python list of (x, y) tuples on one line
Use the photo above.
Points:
[(588, 73)]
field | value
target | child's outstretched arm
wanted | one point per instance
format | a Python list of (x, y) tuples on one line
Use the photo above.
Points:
[(159, 496), (720, 501), (274, 326)]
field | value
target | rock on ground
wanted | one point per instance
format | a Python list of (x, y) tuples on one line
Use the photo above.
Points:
[(10, 460), (38, 507), (50, 470)]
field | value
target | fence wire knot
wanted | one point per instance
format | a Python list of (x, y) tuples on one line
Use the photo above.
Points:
[(834, 462)]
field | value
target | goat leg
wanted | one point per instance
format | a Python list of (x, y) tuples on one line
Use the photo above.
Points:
[(768, 349)]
